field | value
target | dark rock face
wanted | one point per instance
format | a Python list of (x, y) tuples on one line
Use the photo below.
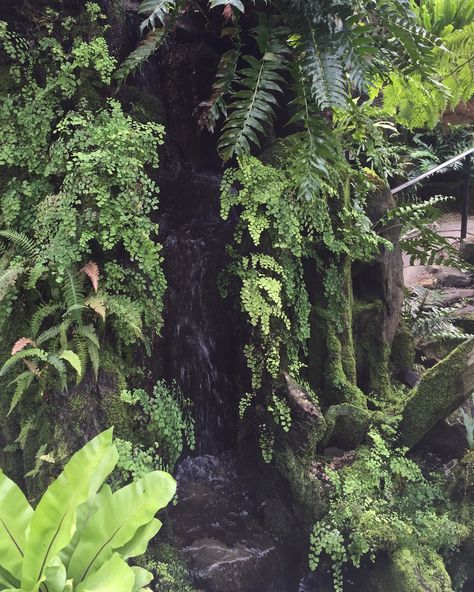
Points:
[(219, 529)]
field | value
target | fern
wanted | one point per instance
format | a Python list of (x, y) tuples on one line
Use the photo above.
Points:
[(148, 46), (20, 240), (32, 352), (253, 107), (322, 70), (223, 84), (94, 357), (60, 367), (44, 311), (8, 279), (23, 382), (50, 333), (156, 11), (73, 292)]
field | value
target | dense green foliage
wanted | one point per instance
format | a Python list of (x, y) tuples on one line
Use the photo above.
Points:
[(81, 534), (313, 107), (380, 502), (74, 187)]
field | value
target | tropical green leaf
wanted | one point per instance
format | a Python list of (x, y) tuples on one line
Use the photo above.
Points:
[(15, 517), (142, 578), (117, 521), (114, 575), (54, 520), (31, 352)]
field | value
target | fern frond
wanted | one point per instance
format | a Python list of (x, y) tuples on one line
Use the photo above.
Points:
[(21, 344), (97, 303), (94, 357), (50, 333), (23, 382), (73, 292), (8, 279), (223, 83), (60, 368), (89, 333), (253, 107), (127, 313), (91, 270), (42, 313), (156, 11), (20, 240), (322, 70), (21, 355), (80, 347), (148, 46)]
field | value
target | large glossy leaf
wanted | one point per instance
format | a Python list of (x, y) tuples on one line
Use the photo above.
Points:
[(15, 516), (54, 521), (114, 576), (142, 578), (118, 520), (84, 513), (139, 543)]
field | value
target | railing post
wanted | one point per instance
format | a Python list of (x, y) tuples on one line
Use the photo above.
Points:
[(465, 196)]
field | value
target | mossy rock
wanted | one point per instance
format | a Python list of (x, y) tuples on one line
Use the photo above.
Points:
[(440, 392), (409, 570), (403, 350), (347, 425), (169, 569), (143, 106)]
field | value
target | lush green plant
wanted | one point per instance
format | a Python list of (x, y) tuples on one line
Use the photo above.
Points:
[(74, 187), (379, 502), (428, 319), (167, 419), (80, 534)]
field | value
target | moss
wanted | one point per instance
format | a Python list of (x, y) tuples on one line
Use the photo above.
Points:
[(435, 397), (373, 355), (347, 425), (420, 571), (142, 105), (403, 350), (169, 569), (338, 385)]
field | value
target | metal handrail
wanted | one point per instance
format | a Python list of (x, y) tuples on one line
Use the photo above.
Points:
[(432, 171), (465, 186)]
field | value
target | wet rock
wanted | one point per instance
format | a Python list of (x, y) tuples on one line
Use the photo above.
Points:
[(447, 440), (242, 567), (219, 528), (454, 295), (348, 425), (450, 276)]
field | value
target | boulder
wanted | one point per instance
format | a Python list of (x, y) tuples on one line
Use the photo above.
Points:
[(467, 250), (442, 389), (451, 276)]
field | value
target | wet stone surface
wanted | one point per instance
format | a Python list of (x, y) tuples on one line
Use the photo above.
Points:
[(219, 530)]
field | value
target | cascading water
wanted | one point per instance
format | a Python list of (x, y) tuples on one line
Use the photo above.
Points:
[(200, 353)]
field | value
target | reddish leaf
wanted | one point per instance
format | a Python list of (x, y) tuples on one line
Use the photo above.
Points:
[(91, 270), (21, 344)]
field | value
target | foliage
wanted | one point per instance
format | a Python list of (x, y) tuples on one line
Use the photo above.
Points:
[(428, 319), (417, 101), (380, 503), (74, 188), (81, 534), (166, 416), (277, 229)]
